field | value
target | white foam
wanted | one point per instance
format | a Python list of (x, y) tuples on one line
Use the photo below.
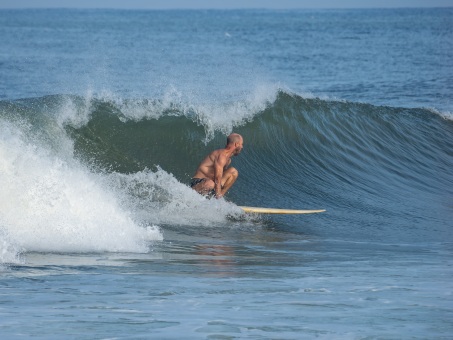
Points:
[(9, 253), (76, 115), (225, 117), (55, 205), (219, 115), (158, 197), (444, 114)]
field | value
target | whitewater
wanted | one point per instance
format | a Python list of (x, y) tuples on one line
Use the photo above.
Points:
[(105, 114)]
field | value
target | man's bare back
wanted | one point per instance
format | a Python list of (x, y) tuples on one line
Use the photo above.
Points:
[(214, 176)]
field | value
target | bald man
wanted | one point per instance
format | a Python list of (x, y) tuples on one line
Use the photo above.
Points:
[(214, 176)]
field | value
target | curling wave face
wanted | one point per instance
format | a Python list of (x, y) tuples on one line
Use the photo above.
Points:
[(99, 174)]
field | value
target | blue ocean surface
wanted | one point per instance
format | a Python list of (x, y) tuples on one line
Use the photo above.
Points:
[(105, 115)]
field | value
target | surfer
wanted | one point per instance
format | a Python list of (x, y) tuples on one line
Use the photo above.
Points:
[(214, 177)]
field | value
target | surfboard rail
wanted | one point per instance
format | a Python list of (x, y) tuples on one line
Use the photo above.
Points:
[(261, 210)]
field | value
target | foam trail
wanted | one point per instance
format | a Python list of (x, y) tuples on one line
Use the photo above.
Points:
[(160, 198), (55, 205)]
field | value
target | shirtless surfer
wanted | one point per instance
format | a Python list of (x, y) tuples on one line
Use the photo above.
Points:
[(214, 176)]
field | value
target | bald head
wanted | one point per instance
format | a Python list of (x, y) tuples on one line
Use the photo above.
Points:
[(235, 141), (234, 138)]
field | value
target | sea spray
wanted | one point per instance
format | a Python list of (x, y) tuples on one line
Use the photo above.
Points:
[(53, 204), (218, 116), (158, 197), (9, 253)]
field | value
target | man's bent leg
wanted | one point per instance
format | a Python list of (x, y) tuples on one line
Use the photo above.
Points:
[(228, 179), (204, 187)]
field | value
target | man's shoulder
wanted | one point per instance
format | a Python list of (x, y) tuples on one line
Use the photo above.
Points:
[(221, 156), (217, 153)]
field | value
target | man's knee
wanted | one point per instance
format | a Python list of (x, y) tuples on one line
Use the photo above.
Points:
[(205, 186), (233, 172), (208, 184)]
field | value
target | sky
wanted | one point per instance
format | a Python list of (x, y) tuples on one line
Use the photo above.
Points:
[(222, 4)]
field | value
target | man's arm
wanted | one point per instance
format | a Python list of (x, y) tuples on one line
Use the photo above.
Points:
[(219, 165)]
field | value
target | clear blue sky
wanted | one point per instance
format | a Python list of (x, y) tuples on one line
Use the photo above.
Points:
[(222, 4)]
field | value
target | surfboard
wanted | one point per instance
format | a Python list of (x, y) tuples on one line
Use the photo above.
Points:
[(259, 210)]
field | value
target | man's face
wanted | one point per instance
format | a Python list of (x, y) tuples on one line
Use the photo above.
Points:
[(239, 146)]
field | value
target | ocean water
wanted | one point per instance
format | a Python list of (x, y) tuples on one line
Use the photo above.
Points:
[(105, 114)]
